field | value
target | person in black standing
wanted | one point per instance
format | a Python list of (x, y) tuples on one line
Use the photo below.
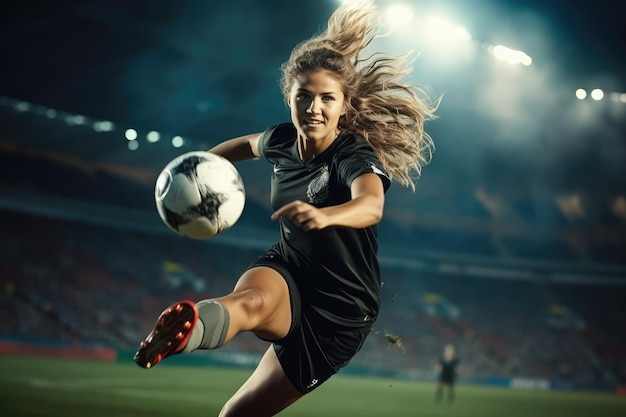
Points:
[(447, 371)]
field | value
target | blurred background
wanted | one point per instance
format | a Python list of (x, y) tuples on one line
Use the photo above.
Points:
[(512, 247)]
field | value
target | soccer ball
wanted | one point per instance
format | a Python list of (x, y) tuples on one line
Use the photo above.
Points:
[(199, 195)]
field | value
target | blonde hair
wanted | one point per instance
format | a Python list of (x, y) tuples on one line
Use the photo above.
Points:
[(380, 107)]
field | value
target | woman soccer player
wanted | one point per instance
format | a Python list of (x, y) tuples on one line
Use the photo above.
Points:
[(314, 295)]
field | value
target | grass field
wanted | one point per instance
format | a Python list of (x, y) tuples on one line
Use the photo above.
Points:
[(54, 387)]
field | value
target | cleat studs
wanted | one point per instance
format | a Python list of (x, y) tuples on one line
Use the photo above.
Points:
[(172, 326)]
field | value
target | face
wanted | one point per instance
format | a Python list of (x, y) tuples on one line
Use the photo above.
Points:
[(317, 102)]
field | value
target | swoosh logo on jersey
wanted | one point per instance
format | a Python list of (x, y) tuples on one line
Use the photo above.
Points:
[(377, 170)]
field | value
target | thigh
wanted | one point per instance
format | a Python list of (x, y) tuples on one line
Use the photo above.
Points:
[(265, 393), (260, 303)]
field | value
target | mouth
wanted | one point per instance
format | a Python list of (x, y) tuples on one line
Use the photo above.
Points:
[(313, 122)]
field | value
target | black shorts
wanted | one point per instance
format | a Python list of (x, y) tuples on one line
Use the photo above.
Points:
[(446, 379), (312, 351)]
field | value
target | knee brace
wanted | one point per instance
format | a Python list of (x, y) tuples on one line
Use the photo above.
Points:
[(216, 319)]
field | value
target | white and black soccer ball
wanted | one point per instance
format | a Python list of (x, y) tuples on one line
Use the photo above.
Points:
[(199, 195)]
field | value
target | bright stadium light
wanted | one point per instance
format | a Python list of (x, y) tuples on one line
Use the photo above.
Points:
[(177, 141), (399, 16), (153, 136), (446, 32), (597, 94), (75, 119), (581, 94), (130, 134), (510, 56), (103, 126)]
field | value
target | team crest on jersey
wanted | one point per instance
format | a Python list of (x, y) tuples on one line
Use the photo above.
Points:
[(318, 187)]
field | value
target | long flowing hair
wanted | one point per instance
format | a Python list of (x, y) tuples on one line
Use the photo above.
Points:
[(388, 112)]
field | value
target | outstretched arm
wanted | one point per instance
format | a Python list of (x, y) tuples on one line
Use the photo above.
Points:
[(364, 209), (238, 149)]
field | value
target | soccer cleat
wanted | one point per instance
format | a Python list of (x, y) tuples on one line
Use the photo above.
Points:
[(170, 334)]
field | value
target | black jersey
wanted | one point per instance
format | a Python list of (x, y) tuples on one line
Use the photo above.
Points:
[(448, 368), (336, 268)]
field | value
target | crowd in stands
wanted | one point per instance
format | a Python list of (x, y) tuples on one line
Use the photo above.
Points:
[(476, 222), (89, 284), (80, 283)]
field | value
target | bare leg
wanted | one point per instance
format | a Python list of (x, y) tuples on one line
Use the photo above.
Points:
[(259, 303), (265, 393)]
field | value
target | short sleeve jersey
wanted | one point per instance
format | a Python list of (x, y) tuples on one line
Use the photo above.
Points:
[(448, 367), (336, 268)]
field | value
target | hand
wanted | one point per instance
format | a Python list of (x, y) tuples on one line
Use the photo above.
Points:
[(303, 215)]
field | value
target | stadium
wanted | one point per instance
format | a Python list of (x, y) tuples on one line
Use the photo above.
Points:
[(512, 247)]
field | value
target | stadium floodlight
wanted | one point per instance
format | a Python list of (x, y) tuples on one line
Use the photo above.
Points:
[(103, 126), (75, 119), (510, 56), (153, 136), (581, 94), (399, 16), (443, 31), (177, 141), (597, 94), (130, 134)]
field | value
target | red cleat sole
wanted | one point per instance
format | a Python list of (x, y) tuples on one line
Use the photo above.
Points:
[(170, 334)]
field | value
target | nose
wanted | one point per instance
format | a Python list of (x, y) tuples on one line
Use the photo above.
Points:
[(313, 107)]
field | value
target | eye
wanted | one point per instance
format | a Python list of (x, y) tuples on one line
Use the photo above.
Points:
[(328, 98), (302, 96)]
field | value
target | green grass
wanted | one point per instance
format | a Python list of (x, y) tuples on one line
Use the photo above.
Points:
[(53, 387)]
